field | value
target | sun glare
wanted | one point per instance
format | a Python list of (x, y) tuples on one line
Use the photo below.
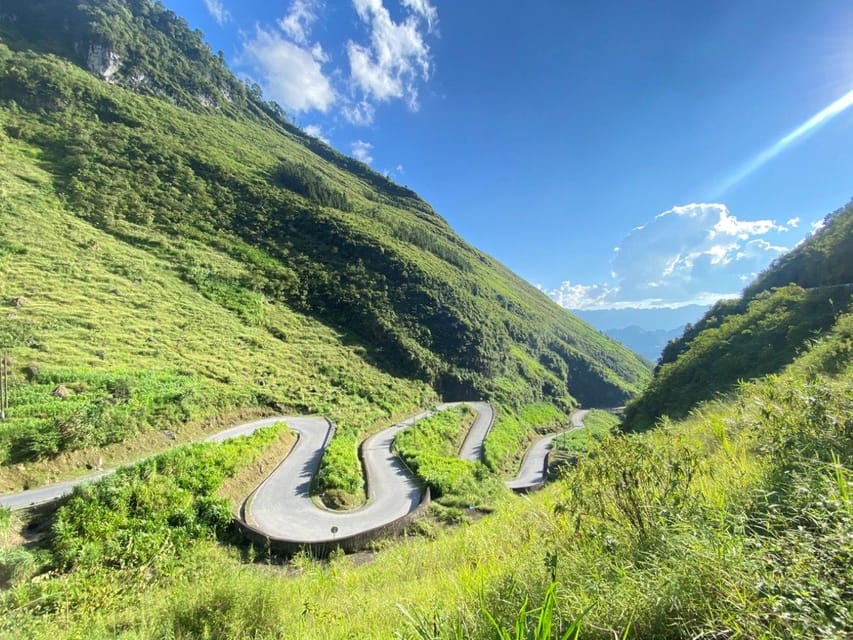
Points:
[(823, 116)]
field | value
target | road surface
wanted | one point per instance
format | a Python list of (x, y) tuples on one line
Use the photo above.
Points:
[(533, 467), (281, 507)]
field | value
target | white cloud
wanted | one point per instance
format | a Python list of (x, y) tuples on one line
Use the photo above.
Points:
[(299, 20), (360, 114), (292, 75), (793, 223), (693, 254), (361, 151), (218, 11), (424, 9), (392, 63), (396, 59), (315, 131), (400, 169), (581, 296)]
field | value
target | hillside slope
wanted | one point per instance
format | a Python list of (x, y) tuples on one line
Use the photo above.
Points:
[(167, 219), (796, 299)]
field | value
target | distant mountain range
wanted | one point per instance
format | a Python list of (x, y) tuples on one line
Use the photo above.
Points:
[(644, 331), (648, 343)]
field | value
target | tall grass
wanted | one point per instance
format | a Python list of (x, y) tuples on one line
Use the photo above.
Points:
[(515, 429), (732, 523), (430, 448)]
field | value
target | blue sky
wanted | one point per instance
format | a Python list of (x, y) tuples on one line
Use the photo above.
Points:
[(616, 154)]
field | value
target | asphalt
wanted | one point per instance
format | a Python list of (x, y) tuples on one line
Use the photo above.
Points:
[(49, 493), (282, 506), (533, 467)]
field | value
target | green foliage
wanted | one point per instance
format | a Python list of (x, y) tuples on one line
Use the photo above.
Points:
[(733, 523), (430, 448), (798, 296), (597, 426), (300, 179), (530, 624), (538, 623), (326, 235), (152, 511), (63, 410), (336, 473), (157, 332), (513, 432), (212, 194), (820, 261), (764, 337)]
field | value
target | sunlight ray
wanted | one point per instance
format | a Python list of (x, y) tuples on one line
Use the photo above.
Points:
[(774, 150)]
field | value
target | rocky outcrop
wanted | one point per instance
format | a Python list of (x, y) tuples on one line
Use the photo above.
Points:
[(103, 61)]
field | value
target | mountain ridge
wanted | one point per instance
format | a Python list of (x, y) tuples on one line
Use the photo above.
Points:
[(264, 227), (795, 300)]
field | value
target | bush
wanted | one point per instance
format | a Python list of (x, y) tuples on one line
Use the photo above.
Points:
[(430, 447), (151, 511)]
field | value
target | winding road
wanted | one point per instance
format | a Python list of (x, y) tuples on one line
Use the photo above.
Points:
[(282, 509), (533, 468)]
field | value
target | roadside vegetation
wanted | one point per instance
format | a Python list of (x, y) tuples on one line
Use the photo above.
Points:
[(568, 447), (147, 514), (515, 430), (431, 448), (733, 522), (176, 252)]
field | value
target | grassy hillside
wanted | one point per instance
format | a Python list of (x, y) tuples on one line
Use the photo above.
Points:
[(795, 299), (173, 249), (733, 523), (138, 350), (325, 234)]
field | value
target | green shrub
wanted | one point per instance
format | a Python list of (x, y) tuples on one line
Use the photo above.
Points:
[(430, 447), (152, 511), (514, 430)]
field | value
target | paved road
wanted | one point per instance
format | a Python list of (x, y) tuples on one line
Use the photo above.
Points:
[(51, 492), (532, 472), (472, 447), (43, 495), (282, 508)]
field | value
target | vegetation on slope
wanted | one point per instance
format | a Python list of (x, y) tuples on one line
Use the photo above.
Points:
[(431, 449), (326, 240), (759, 333), (514, 431), (151, 352), (173, 182), (822, 260), (735, 522), (151, 511), (569, 447)]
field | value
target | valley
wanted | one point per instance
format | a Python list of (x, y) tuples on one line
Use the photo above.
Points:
[(258, 389)]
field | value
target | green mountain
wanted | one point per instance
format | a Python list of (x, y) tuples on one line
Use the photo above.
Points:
[(796, 299), (172, 248)]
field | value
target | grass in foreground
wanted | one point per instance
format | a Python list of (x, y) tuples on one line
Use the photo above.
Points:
[(733, 523)]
